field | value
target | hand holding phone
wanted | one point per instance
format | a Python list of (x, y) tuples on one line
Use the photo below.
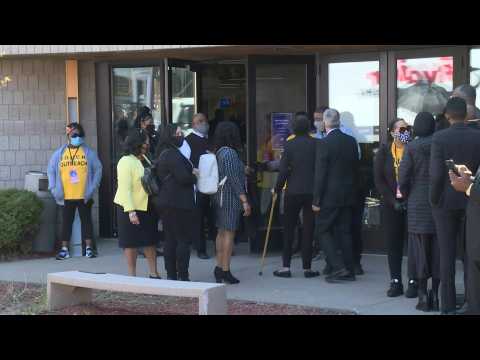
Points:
[(452, 167)]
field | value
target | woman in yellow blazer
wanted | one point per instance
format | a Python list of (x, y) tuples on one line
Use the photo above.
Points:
[(137, 225)]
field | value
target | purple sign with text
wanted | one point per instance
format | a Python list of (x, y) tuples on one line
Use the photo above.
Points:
[(281, 129)]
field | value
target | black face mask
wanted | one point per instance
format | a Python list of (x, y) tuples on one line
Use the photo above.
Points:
[(178, 141)]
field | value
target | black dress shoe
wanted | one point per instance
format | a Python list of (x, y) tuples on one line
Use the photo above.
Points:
[(396, 289), (309, 274), (229, 278), (203, 256), (218, 273), (433, 301), (340, 276), (282, 274), (358, 270), (412, 290), (155, 277), (423, 303)]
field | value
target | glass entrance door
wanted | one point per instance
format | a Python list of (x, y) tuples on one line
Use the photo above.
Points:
[(277, 89)]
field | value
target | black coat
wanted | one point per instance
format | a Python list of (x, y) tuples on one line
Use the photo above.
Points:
[(462, 145), (414, 184), (199, 146), (177, 181), (297, 167), (336, 171), (384, 175)]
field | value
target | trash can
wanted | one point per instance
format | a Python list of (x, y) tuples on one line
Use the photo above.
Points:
[(44, 241)]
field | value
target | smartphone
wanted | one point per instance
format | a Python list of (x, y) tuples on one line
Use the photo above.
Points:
[(451, 167)]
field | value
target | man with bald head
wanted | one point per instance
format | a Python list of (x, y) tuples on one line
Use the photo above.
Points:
[(469, 94), (199, 144)]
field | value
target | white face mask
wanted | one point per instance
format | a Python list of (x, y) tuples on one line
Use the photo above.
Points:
[(319, 125)]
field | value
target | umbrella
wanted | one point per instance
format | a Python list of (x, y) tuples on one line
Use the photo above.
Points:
[(423, 96)]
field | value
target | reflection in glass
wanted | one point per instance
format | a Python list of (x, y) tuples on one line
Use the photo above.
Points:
[(183, 97), (423, 84), (475, 72), (354, 90)]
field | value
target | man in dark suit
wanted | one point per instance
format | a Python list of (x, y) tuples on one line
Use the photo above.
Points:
[(335, 194), (468, 93), (462, 145), (199, 144), (471, 187)]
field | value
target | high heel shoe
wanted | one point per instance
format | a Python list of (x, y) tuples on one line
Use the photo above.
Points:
[(218, 273), (229, 278)]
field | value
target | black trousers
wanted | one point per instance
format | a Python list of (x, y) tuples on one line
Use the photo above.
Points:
[(473, 263), (293, 205), (205, 221), (85, 212), (178, 233), (395, 228), (335, 225), (357, 229), (450, 225)]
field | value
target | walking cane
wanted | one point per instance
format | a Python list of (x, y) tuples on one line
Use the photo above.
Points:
[(267, 238)]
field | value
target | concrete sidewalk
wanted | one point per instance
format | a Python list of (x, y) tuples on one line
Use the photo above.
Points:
[(366, 296)]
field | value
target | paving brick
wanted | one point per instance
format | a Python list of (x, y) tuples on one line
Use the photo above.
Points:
[(50, 126), (4, 112), (4, 172), (25, 112), (9, 127), (15, 173), (33, 128), (9, 157), (23, 82), (17, 67), (45, 142), (28, 97), (60, 127), (7, 97), (13, 83), (4, 143), (24, 142), (7, 67), (13, 112), (34, 142), (2, 157), (27, 67), (43, 80), (35, 112), (38, 67), (14, 142), (38, 98), (20, 157), (31, 157), (19, 128), (56, 141), (44, 112), (18, 98), (33, 82), (60, 97)]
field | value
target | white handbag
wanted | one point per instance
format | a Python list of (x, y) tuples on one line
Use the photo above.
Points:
[(208, 178)]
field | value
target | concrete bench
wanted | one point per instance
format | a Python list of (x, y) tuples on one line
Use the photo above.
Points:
[(75, 288)]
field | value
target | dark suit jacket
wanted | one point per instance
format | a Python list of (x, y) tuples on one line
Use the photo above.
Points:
[(177, 180), (336, 171), (475, 191), (461, 144), (297, 166), (199, 146), (384, 174)]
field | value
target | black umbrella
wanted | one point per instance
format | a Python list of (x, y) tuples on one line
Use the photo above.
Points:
[(423, 96)]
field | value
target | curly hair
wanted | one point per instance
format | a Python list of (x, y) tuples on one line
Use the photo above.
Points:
[(134, 142)]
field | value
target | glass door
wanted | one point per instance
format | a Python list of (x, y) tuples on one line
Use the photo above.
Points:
[(183, 80), (278, 87), (352, 85)]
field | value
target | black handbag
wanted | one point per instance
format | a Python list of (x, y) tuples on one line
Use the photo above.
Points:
[(149, 179)]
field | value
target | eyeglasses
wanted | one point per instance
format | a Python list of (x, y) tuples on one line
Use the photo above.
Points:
[(405, 129)]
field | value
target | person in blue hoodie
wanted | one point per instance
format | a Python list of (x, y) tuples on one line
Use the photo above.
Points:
[(74, 174)]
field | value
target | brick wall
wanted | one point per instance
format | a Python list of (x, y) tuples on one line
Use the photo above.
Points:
[(33, 115)]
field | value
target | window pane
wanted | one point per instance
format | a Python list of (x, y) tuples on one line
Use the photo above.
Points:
[(423, 84), (475, 71), (183, 97), (354, 92)]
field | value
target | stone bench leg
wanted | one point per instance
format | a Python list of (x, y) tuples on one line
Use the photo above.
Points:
[(213, 302), (62, 296)]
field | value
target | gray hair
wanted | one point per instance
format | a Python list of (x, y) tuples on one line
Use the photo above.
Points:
[(331, 117), (467, 92)]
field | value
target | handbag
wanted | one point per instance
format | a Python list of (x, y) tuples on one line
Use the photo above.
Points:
[(149, 179), (372, 215)]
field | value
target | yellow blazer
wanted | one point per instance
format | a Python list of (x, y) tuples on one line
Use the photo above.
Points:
[(130, 193)]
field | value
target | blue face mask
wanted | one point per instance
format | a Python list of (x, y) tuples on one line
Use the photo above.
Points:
[(77, 141)]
